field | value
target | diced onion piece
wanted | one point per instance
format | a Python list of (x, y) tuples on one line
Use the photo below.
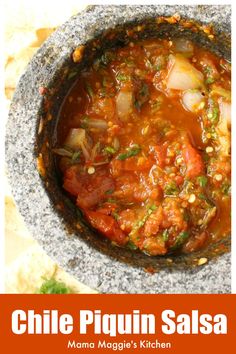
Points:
[(182, 45), (223, 127), (183, 75), (225, 111), (97, 123), (124, 104), (74, 138), (192, 99), (78, 139)]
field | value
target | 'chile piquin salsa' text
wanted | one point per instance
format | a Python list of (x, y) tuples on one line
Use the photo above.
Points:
[(144, 146)]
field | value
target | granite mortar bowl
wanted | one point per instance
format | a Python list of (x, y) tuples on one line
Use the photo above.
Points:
[(48, 211)]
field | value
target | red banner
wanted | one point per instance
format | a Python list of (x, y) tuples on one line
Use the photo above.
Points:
[(117, 323)]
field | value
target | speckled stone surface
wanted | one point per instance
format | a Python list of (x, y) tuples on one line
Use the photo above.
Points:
[(84, 262)]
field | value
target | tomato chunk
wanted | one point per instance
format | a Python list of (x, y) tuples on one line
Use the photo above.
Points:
[(89, 190), (193, 160), (153, 223), (127, 219), (107, 225)]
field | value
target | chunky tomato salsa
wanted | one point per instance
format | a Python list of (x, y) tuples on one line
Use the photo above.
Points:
[(144, 146)]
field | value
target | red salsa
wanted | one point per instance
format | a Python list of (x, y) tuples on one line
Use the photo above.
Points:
[(144, 146)]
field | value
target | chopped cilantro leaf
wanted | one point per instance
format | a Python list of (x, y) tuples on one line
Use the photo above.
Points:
[(171, 189), (131, 151), (115, 215), (52, 286), (131, 245), (110, 150), (122, 77), (89, 90), (109, 191), (165, 235), (181, 237), (202, 181)]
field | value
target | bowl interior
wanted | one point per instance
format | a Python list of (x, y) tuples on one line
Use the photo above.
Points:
[(46, 136)]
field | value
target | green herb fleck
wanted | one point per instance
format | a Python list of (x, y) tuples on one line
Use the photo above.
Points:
[(171, 189), (89, 90), (140, 223), (122, 77), (209, 72), (72, 74), (156, 104), (152, 207), (131, 245), (210, 80), (144, 91), (52, 286), (109, 191), (186, 215), (213, 112), (79, 213), (182, 236), (142, 96), (165, 235), (160, 62), (131, 151), (129, 62), (111, 200), (104, 82), (137, 105), (84, 122), (226, 188), (158, 67), (107, 57), (76, 156), (202, 181), (110, 150), (115, 215)]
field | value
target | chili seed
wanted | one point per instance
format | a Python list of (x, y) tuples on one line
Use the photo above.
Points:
[(201, 105), (209, 149), (91, 170), (179, 160), (192, 198), (141, 161), (210, 115), (145, 130), (218, 177), (202, 261)]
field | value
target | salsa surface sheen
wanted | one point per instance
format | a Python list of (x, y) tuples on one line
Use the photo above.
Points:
[(144, 146)]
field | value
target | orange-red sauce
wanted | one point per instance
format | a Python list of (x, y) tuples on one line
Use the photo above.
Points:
[(144, 151)]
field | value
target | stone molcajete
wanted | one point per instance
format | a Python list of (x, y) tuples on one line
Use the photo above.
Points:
[(48, 213)]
